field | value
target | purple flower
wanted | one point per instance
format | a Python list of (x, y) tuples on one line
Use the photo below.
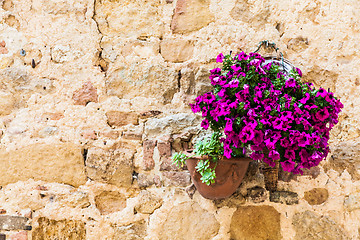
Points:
[(290, 83), (304, 155), (205, 124), (316, 157), (236, 68), (247, 134), (303, 140), (227, 149), (222, 92), (288, 165), (298, 71), (204, 111), (246, 89), (215, 70), (258, 137), (322, 115), (256, 156), (284, 142), (289, 154), (220, 58), (229, 126), (307, 97), (234, 83), (322, 93), (195, 108), (274, 155)]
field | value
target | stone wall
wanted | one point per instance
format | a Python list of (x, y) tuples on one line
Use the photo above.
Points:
[(94, 100)]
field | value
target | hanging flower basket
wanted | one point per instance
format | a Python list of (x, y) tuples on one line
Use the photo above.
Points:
[(260, 109)]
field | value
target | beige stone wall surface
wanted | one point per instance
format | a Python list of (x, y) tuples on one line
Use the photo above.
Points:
[(94, 101)]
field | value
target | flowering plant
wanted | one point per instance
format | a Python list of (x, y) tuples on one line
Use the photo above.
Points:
[(267, 113), (271, 112)]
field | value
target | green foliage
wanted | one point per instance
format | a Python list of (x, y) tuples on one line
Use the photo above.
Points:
[(179, 159), (210, 146), (211, 149)]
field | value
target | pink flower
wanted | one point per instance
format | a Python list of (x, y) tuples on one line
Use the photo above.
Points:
[(288, 165), (322, 115), (274, 155), (289, 154), (220, 58), (256, 156), (205, 124)]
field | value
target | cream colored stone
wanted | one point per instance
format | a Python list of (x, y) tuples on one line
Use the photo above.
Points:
[(309, 225), (6, 62), (148, 202), (109, 202), (200, 224), (62, 162), (114, 166), (134, 231), (7, 103), (143, 18), (177, 50), (191, 16), (151, 81)]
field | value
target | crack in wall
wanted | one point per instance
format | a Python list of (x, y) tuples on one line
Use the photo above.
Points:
[(102, 63)]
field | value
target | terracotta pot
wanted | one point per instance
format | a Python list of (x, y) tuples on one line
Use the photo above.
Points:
[(229, 174)]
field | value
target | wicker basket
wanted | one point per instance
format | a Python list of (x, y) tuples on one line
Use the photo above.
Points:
[(271, 174)]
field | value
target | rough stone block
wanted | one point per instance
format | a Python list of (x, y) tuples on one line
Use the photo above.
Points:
[(148, 148), (168, 165), (111, 166), (309, 225), (172, 124), (134, 231), (63, 229), (150, 114), (191, 15), (177, 50), (284, 197), (201, 224), (7, 103), (316, 196), (164, 148), (233, 201), (255, 222), (345, 155), (241, 13), (116, 18), (257, 194), (177, 178), (14, 223), (144, 180), (352, 202), (60, 162), (23, 235), (147, 202), (109, 202), (187, 80), (144, 79), (119, 119), (87, 93)]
